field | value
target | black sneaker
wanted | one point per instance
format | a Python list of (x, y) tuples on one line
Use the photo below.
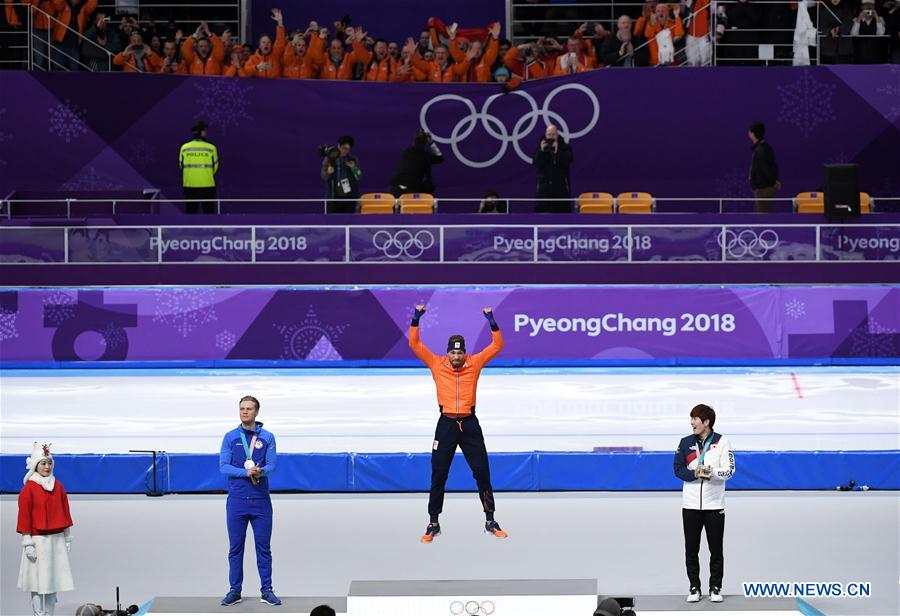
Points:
[(231, 598), (493, 528), (433, 530)]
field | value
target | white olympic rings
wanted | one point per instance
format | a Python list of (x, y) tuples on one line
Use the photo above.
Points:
[(403, 243), (748, 242), (496, 129)]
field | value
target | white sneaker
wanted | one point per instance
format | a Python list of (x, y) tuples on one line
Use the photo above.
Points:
[(695, 595), (715, 595)]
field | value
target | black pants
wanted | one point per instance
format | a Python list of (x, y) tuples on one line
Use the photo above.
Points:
[(695, 520), (467, 434), (207, 207)]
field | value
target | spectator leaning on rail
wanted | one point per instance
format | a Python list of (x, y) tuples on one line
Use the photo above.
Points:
[(574, 60), (341, 173), (203, 52), (664, 33), (199, 162), (413, 174), (299, 61), (552, 161), (440, 70), (170, 64), (868, 26), (763, 169), (698, 47), (378, 65), (337, 64), (624, 48), (266, 62), (235, 63), (480, 68), (105, 44), (835, 22), (137, 57), (526, 61)]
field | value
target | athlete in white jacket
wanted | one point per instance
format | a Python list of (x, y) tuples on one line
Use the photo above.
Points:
[(704, 461)]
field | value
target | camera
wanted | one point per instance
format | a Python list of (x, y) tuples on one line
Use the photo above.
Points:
[(869, 12), (329, 151)]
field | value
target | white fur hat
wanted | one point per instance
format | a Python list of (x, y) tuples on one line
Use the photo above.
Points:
[(38, 452)]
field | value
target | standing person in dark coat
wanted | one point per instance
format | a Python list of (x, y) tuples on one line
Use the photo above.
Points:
[(835, 23), (552, 161), (738, 29), (413, 174), (763, 169)]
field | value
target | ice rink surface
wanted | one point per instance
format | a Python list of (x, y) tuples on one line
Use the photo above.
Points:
[(394, 410)]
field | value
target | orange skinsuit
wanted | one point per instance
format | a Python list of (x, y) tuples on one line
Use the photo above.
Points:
[(273, 58), (455, 388), (481, 72), (195, 64)]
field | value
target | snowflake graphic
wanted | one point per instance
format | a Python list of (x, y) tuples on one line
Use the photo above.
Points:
[(225, 340), (892, 91), (310, 339), (8, 327), (795, 309), (114, 337), (864, 344), (59, 307), (223, 102), (67, 121), (91, 181), (806, 103), (4, 136), (185, 309)]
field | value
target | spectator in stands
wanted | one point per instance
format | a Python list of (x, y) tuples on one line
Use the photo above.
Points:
[(647, 12), (480, 68), (71, 19), (337, 63), (156, 45), (664, 33), (867, 27), (378, 65), (246, 52), (552, 160), (236, 62), (170, 64), (127, 26), (425, 44), (501, 75), (298, 61), (394, 50), (763, 169), (199, 162), (413, 174), (492, 204), (575, 60), (341, 173), (892, 22), (698, 47), (103, 45), (266, 61), (440, 70), (137, 57), (835, 43), (624, 48), (525, 61), (323, 610), (738, 31), (203, 52)]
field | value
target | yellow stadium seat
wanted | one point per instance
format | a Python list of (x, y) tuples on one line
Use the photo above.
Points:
[(417, 203), (596, 203), (865, 203), (809, 203), (635, 203), (376, 203)]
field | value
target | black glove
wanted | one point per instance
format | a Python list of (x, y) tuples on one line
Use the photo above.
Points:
[(490, 318), (417, 314)]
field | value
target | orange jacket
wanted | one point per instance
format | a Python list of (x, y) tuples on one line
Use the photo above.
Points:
[(699, 25), (273, 58), (534, 69), (38, 20), (64, 15), (305, 66), (651, 30), (385, 70), (196, 65), (344, 71), (180, 69), (11, 18), (152, 62), (585, 63), (413, 75), (455, 388), (453, 72), (480, 72)]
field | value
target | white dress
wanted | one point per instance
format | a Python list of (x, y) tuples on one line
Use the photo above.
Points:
[(51, 571)]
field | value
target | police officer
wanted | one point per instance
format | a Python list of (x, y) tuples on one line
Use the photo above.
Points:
[(199, 161)]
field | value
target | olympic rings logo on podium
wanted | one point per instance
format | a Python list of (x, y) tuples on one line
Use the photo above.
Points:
[(496, 129), (472, 608), (748, 242), (403, 243)]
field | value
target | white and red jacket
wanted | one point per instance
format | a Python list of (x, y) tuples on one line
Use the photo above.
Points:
[(704, 493)]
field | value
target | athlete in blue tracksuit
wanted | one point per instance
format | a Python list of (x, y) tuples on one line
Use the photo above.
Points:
[(248, 458)]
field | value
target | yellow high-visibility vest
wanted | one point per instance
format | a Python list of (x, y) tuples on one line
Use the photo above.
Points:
[(199, 161)]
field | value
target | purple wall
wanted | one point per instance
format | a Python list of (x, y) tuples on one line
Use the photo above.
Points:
[(671, 132), (407, 17)]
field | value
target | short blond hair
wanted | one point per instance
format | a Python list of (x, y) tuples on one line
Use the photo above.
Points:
[(250, 399)]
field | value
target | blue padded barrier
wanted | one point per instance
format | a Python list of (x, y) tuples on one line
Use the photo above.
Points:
[(521, 471)]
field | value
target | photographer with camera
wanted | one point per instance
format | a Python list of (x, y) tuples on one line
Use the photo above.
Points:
[(413, 174), (552, 161), (341, 173), (492, 204), (868, 27)]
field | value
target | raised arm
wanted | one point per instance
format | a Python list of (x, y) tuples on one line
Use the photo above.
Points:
[(415, 343), (493, 349)]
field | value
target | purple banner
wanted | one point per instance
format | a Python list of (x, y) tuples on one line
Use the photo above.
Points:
[(769, 243), (583, 243), (187, 244), (539, 324), (32, 245), (113, 245), (291, 244), (676, 244), (860, 243), (394, 244), (489, 244)]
